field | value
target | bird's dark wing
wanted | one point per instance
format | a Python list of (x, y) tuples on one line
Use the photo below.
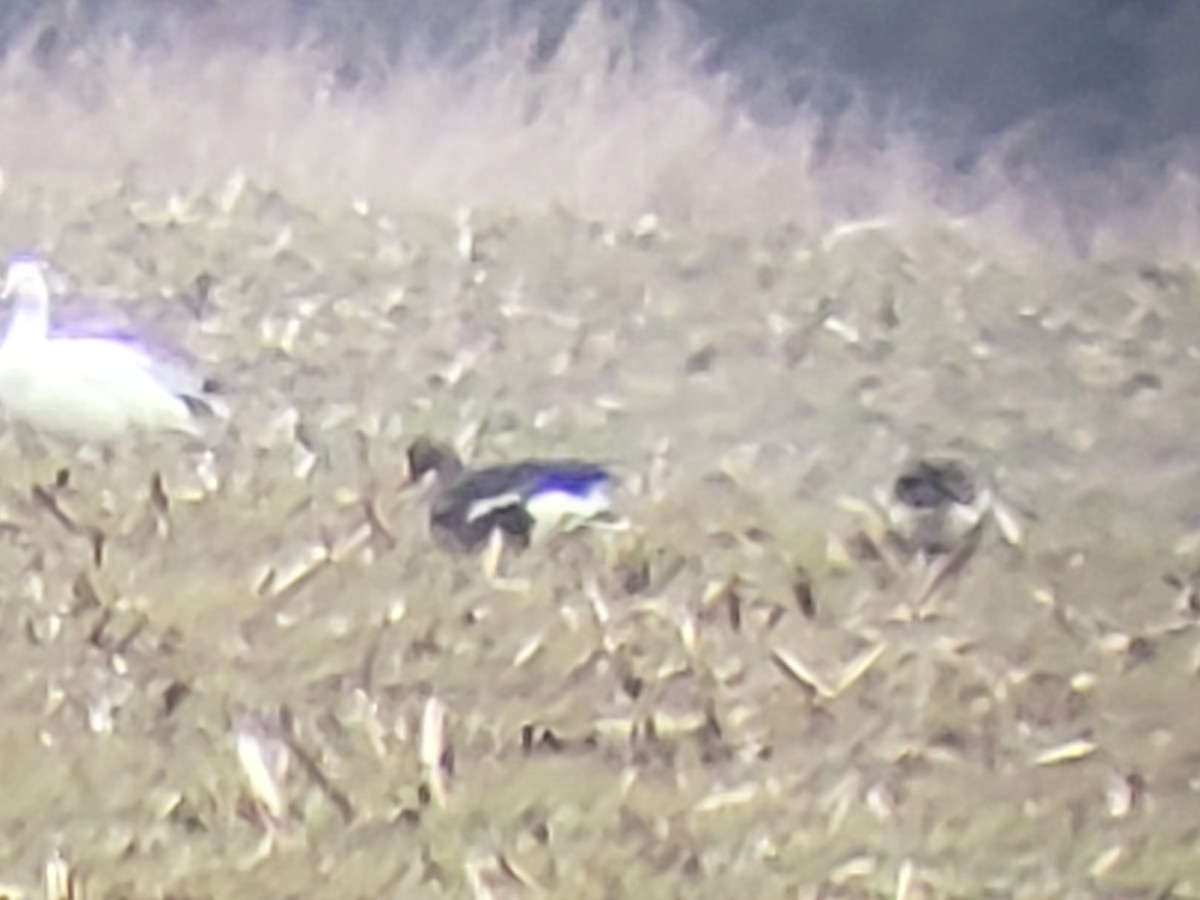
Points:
[(569, 476), (469, 509), (466, 520)]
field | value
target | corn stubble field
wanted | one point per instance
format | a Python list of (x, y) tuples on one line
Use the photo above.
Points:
[(247, 671)]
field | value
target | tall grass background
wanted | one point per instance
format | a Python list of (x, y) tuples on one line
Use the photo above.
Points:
[(1042, 122)]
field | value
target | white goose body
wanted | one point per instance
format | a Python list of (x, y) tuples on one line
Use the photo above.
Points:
[(87, 389)]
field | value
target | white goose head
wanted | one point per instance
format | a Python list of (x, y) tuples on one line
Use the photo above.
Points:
[(26, 291)]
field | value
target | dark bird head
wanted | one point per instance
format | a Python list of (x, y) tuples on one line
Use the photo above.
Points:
[(427, 455), (937, 505), (935, 483)]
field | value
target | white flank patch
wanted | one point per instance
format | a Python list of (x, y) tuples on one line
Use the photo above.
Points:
[(488, 505), (551, 508)]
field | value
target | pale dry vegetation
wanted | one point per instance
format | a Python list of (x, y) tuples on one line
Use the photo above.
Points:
[(247, 671)]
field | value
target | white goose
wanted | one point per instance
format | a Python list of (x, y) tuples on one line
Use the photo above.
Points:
[(89, 389)]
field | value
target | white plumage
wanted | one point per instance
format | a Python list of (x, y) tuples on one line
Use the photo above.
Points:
[(89, 389)]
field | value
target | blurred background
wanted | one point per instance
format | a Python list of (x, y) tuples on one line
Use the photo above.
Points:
[(636, 106)]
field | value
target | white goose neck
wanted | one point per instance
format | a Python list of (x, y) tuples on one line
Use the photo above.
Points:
[(25, 289)]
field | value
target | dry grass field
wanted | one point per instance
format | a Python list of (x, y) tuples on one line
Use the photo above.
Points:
[(242, 668)]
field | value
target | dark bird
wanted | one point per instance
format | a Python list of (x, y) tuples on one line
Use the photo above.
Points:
[(936, 503), (519, 499)]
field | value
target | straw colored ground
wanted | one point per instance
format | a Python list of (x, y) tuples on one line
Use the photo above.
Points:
[(642, 714), (244, 670)]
